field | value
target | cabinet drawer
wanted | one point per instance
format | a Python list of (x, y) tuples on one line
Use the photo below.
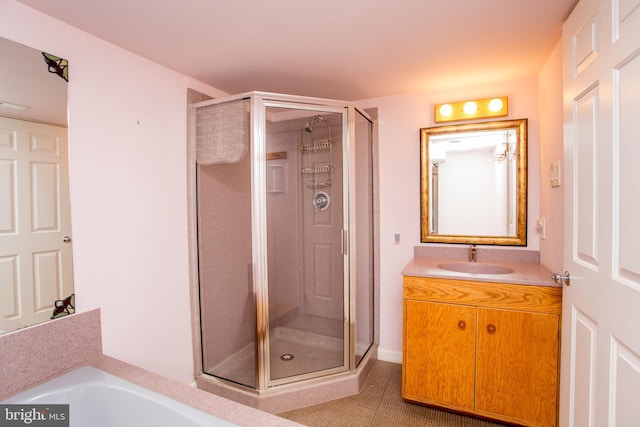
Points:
[(538, 299)]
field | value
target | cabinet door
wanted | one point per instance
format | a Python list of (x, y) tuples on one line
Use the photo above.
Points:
[(439, 353), (517, 365)]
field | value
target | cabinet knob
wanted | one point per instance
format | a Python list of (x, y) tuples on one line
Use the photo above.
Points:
[(491, 328), (462, 325)]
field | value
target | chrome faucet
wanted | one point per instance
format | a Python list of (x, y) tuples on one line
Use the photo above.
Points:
[(473, 256)]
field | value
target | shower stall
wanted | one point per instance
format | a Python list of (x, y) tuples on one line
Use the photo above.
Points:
[(285, 238)]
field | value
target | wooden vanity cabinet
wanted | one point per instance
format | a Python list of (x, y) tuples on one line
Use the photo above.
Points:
[(440, 353), (489, 349)]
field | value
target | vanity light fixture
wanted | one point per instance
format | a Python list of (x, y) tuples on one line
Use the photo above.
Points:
[(467, 110)]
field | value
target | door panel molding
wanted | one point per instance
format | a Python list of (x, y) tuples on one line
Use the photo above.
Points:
[(626, 153), (586, 166), (583, 365), (624, 383)]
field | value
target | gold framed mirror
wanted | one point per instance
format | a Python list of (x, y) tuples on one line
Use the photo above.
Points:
[(473, 183)]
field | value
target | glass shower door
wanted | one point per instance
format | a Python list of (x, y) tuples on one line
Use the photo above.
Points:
[(305, 221), (362, 287)]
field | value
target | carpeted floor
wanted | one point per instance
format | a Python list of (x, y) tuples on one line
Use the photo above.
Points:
[(380, 403)]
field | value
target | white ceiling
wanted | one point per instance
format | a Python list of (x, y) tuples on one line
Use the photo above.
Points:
[(343, 49)]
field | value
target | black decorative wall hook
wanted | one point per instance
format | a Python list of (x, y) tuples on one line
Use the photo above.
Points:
[(57, 65), (64, 307)]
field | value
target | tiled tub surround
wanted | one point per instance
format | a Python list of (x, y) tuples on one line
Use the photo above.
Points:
[(39, 353), (525, 264)]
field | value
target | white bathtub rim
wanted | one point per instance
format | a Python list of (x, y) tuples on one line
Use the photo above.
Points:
[(92, 377)]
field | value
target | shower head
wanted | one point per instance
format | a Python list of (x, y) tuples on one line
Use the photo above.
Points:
[(308, 127)]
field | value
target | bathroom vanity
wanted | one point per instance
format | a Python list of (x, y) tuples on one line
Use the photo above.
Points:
[(483, 344)]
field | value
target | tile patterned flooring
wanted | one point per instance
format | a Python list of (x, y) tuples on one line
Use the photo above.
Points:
[(378, 404)]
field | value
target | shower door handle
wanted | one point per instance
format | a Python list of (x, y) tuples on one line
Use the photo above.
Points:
[(344, 242)]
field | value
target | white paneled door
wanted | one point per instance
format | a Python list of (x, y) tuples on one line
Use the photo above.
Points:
[(600, 378), (35, 226)]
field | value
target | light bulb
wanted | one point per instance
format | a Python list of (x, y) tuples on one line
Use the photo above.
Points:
[(446, 110), (495, 105), (470, 107)]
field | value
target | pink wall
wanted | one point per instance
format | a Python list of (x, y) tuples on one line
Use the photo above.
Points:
[(551, 149), (127, 125), (400, 120)]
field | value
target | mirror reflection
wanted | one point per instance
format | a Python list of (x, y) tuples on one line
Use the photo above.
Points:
[(474, 183), (36, 280)]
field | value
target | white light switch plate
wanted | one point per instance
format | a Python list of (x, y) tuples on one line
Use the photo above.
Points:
[(555, 174), (542, 229)]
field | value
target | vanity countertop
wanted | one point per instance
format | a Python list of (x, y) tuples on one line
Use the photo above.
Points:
[(524, 273)]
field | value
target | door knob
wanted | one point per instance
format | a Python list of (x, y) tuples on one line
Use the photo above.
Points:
[(66, 239), (562, 279)]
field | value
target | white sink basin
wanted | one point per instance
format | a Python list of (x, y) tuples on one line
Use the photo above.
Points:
[(475, 268)]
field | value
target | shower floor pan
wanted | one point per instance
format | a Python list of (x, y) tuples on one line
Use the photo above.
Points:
[(292, 352)]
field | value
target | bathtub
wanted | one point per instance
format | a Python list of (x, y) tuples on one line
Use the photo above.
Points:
[(99, 399)]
